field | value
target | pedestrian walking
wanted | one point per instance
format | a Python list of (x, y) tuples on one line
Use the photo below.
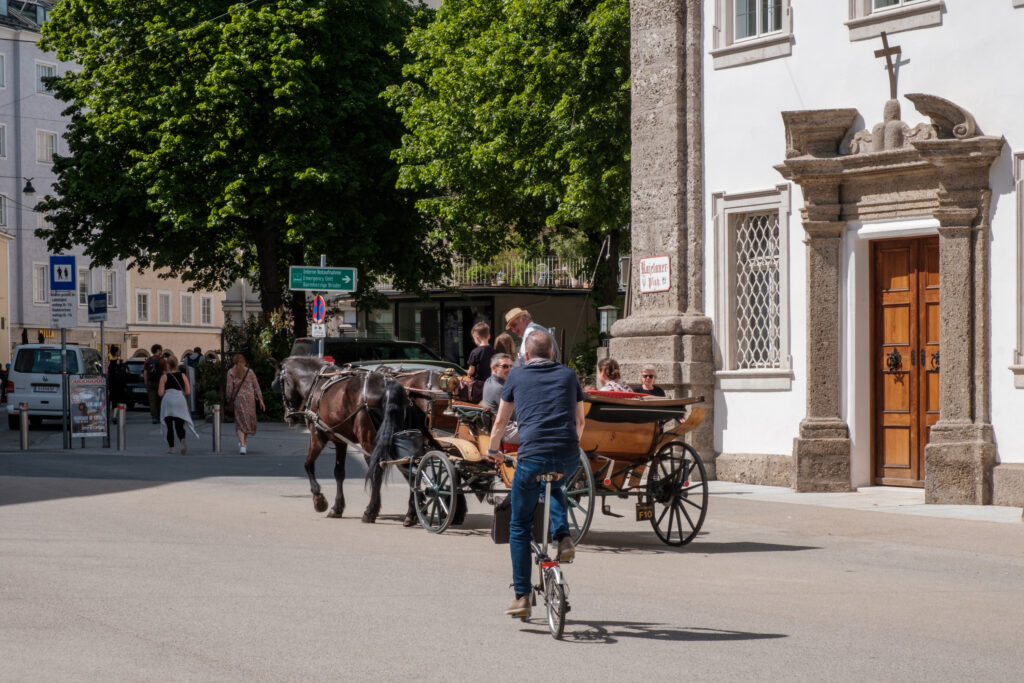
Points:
[(244, 393), (173, 389), (548, 403), (152, 371)]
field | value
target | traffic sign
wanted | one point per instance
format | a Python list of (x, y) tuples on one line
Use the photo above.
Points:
[(63, 309), (63, 274), (319, 309), (309, 278), (97, 307), (319, 330)]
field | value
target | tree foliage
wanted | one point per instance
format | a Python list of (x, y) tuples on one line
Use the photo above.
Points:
[(216, 138), (518, 123)]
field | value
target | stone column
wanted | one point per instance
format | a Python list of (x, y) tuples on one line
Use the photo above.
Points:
[(668, 330)]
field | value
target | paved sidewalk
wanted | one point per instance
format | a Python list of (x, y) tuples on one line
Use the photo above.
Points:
[(277, 439)]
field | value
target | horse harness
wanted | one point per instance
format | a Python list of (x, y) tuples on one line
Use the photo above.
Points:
[(324, 380)]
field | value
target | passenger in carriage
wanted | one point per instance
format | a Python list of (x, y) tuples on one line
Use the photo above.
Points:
[(647, 377), (609, 377), (501, 364)]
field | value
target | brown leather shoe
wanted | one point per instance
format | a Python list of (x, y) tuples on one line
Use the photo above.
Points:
[(566, 550), (519, 608)]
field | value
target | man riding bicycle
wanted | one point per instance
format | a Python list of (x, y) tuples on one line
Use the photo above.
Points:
[(548, 403)]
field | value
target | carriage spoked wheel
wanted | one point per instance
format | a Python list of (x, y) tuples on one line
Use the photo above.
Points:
[(579, 493), (677, 487), (435, 489)]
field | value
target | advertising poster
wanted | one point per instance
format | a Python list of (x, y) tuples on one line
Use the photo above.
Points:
[(88, 406)]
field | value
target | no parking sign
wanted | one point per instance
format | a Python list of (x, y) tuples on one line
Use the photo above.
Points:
[(319, 309)]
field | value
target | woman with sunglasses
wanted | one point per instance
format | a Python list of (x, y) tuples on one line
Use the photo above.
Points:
[(647, 377)]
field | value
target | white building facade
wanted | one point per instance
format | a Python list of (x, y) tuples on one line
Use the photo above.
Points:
[(814, 181)]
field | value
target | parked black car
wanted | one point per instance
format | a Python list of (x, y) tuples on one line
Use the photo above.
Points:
[(134, 386), (374, 352)]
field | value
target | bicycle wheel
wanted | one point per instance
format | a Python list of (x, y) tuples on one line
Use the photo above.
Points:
[(434, 487), (554, 601), (579, 494), (677, 486)]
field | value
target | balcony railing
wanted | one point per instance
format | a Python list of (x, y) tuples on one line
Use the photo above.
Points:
[(550, 272)]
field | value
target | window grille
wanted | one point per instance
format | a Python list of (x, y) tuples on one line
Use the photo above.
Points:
[(758, 300)]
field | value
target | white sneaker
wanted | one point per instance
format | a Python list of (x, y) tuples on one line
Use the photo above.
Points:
[(241, 450)]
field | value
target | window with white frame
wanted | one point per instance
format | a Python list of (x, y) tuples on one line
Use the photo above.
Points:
[(3, 141), (43, 221), (46, 146), (83, 286), (141, 306), (749, 31), (3, 210), (3, 72), (163, 307), (44, 71), (868, 18), (40, 283), (205, 310), (186, 309), (752, 289), (110, 287)]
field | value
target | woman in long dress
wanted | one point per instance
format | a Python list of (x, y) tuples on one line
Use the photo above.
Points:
[(244, 387), (174, 413)]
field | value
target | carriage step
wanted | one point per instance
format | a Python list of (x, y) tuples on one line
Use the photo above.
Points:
[(607, 510)]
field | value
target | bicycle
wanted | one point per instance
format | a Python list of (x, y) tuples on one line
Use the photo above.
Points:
[(551, 582)]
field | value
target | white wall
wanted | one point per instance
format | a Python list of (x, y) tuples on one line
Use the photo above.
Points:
[(971, 59)]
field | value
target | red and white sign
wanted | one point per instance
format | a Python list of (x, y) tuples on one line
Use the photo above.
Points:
[(654, 274), (319, 309)]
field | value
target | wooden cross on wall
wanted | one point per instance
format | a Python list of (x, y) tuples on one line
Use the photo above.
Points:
[(888, 52)]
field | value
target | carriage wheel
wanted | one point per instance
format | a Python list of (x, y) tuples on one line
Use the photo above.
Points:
[(435, 488), (554, 603), (579, 492), (677, 486)]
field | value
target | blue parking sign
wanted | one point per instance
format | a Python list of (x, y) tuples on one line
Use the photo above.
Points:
[(63, 274)]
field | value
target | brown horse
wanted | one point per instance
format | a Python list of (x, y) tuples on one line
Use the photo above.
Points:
[(345, 407)]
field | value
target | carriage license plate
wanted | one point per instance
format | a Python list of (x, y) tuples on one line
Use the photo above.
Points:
[(644, 512)]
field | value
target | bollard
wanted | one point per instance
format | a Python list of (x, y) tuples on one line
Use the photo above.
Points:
[(216, 428), (23, 423), (122, 433)]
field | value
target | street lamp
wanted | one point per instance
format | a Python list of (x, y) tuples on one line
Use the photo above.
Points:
[(29, 190), (606, 317)]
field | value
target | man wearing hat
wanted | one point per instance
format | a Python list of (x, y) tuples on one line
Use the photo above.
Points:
[(519, 322)]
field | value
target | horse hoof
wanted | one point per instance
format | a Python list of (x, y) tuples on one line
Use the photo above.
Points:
[(409, 521), (334, 514), (369, 519), (319, 503)]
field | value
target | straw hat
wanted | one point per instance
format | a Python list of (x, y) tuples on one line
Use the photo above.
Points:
[(511, 316)]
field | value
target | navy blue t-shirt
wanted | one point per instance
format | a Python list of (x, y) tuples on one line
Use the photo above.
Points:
[(545, 396)]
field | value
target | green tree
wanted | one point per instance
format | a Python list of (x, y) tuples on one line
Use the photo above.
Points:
[(220, 138), (518, 125)]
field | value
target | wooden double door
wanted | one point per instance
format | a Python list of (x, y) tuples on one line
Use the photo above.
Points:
[(905, 356)]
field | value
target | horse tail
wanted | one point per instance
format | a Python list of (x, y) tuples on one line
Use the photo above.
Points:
[(393, 409)]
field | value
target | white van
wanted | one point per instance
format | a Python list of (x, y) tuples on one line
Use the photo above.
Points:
[(35, 379)]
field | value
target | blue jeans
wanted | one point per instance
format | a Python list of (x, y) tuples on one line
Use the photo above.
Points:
[(526, 491)]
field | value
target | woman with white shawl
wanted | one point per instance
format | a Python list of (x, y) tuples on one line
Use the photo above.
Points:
[(174, 413)]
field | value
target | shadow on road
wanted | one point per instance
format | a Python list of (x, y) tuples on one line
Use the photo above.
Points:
[(608, 632)]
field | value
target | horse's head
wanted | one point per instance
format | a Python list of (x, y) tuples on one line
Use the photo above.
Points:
[(294, 382)]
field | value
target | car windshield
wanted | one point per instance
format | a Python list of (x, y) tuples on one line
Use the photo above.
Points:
[(45, 361), (134, 368)]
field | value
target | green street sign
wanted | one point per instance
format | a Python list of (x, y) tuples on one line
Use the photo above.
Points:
[(322, 279)]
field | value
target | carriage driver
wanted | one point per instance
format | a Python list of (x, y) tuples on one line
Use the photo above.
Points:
[(548, 402)]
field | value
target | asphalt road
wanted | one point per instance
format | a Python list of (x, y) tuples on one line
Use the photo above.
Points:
[(149, 567)]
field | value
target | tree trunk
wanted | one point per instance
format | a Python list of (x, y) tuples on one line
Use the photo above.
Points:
[(271, 294), (299, 311)]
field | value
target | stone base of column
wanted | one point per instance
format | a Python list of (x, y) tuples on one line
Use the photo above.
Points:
[(679, 348), (821, 455), (958, 464)]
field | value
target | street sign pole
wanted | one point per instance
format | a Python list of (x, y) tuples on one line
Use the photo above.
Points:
[(103, 369), (65, 428)]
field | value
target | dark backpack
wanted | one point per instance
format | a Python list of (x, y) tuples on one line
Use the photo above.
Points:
[(152, 371)]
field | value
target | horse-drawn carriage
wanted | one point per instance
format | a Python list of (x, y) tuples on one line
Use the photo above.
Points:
[(627, 450), (631, 447)]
